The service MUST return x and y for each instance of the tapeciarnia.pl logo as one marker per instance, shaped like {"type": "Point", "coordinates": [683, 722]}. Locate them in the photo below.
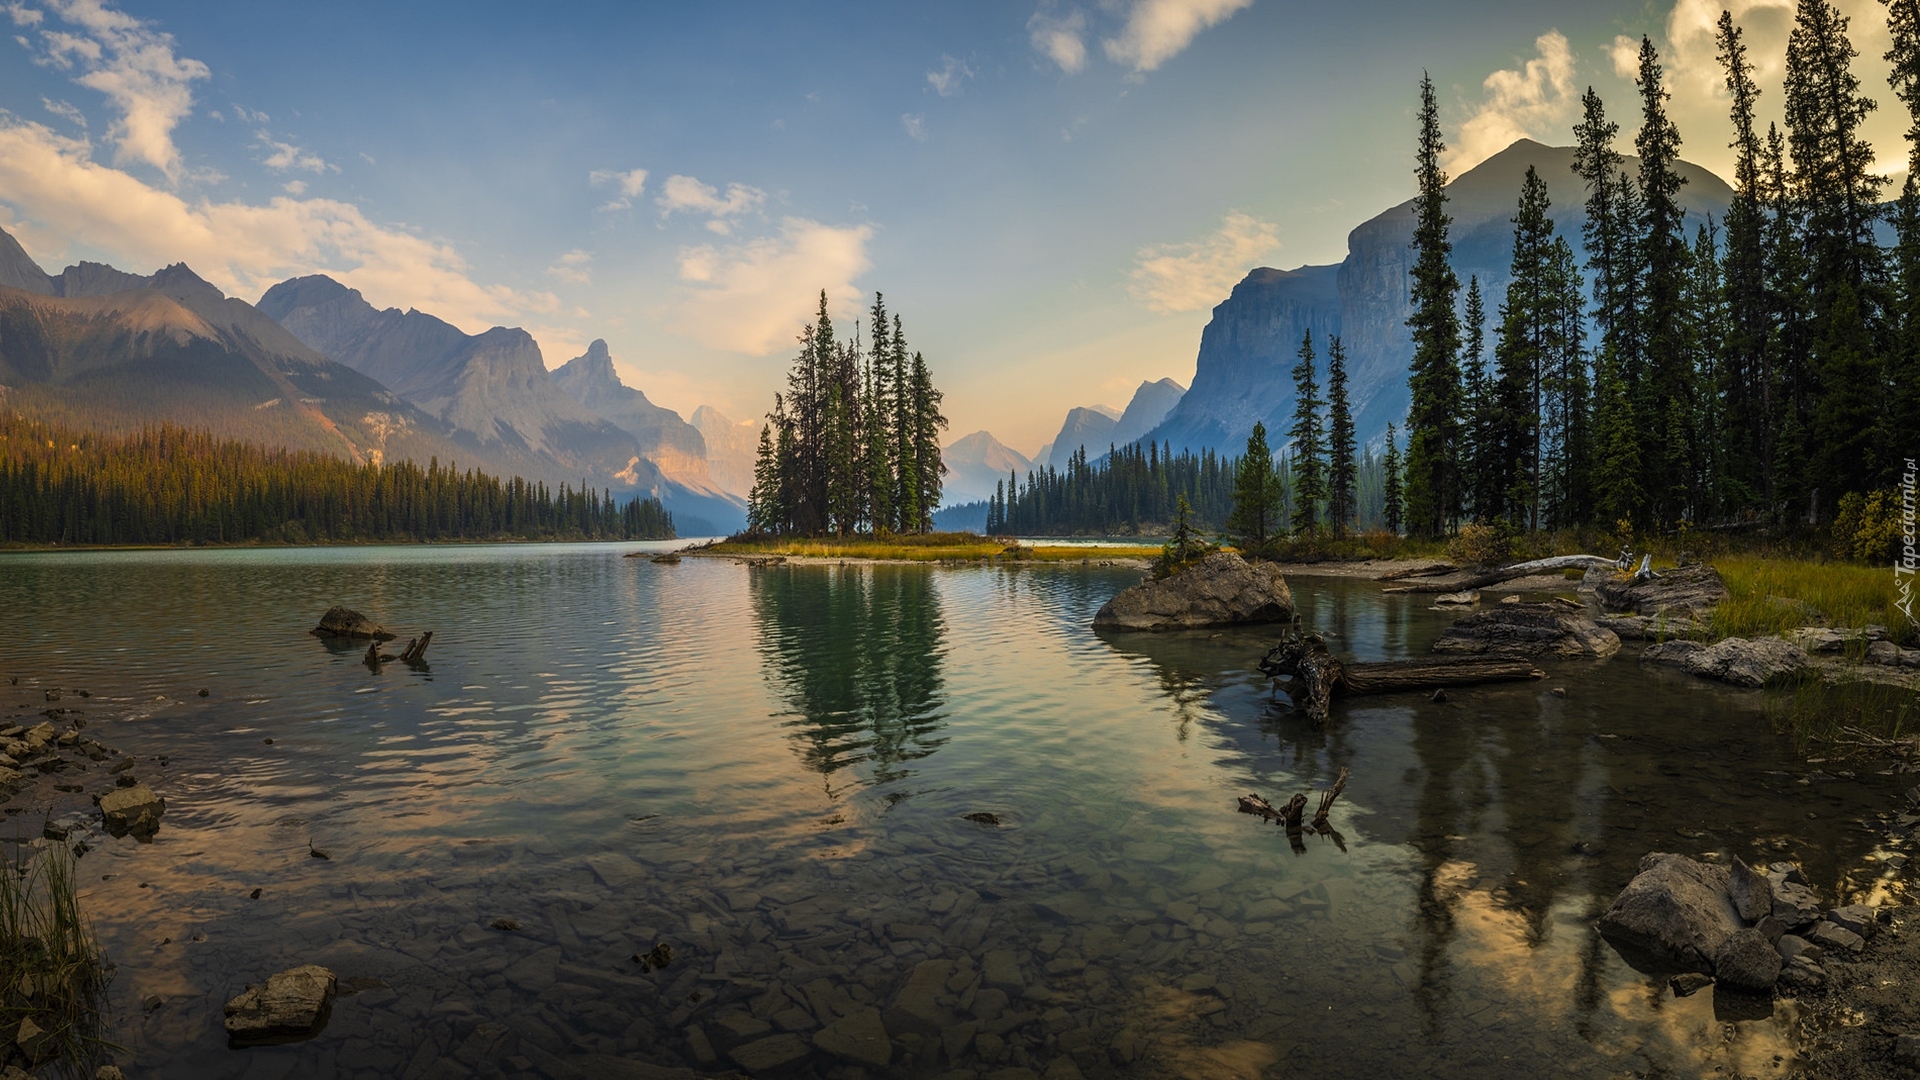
{"type": "Point", "coordinates": [1909, 559]}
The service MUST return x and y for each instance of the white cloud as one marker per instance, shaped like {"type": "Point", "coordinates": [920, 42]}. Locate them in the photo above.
{"type": "Point", "coordinates": [686, 195]}
{"type": "Point", "coordinates": [916, 125]}
{"type": "Point", "coordinates": [294, 187]}
{"type": "Point", "coordinates": [285, 156]}
{"type": "Point", "coordinates": [1197, 275]}
{"type": "Point", "coordinates": [251, 116]}
{"type": "Point", "coordinates": [62, 196]}
{"type": "Point", "coordinates": [753, 297]}
{"type": "Point", "coordinates": [575, 266]}
{"type": "Point", "coordinates": [627, 185]}
{"type": "Point", "coordinates": [1158, 30]}
{"type": "Point", "coordinates": [133, 65]}
{"type": "Point", "coordinates": [65, 110]}
{"type": "Point", "coordinates": [952, 74]}
{"type": "Point", "coordinates": [1537, 100]}
{"type": "Point", "coordinates": [1058, 38]}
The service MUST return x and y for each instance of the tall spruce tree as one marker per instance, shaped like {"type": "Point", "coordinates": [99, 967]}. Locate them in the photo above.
{"type": "Point", "coordinates": [1527, 338]}
{"type": "Point", "coordinates": [1833, 172]}
{"type": "Point", "coordinates": [1566, 395]}
{"type": "Point", "coordinates": [928, 423]}
{"type": "Point", "coordinates": [1666, 381]}
{"type": "Point", "coordinates": [1433, 494]}
{"type": "Point", "coordinates": [1341, 474]}
{"type": "Point", "coordinates": [1478, 474]}
{"type": "Point", "coordinates": [1309, 447]}
{"type": "Point", "coordinates": [1610, 246]}
{"type": "Point", "coordinates": [1790, 316]}
{"type": "Point", "coordinates": [1390, 513]}
{"type": "Point", "coordinates": [1903, 351]}
{"type": "Point", "coordinates": [1747, 374]}
{"type": "Point", "coordinates": [1706, 337]}
{"type": "Point", "coordinates": [881, 410]}
{"type": "Point", "coordinates": [1255, 521]}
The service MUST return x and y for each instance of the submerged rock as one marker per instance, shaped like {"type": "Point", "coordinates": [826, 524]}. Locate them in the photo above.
{"type": "Point", "coordinates": [1676, 909]}
{"type": "Point", "coordinates": [1750, 891]}
{"type": "Point", "coordinates": [1528, 630]}
{"type": "Point", "coordinates": [859, 1037]}
{"type": "Point", "coordinates": [1651, 627]}
{"type": "Point", "coordinates": [1686, 591]}
{"type": "Point", "coordinates": [1221, 590]}
{"type": "Point", "coordinates": [340, 622]}
{"type": "Point", "coordinates": [292, 1005]}
{"type": "Point", "coordinates": [132, 810]}
{"type": "Point", "coordinates": [1750, 662]}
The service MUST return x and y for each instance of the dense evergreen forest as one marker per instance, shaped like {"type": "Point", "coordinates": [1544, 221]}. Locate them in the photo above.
{"type": "Point", "coordinates": [854, 443]}
{"type": "Point", "coordinates": [1134, 490]}
{"type": "Point", "coordinates": [168, 485]}
{"type": "Point", "coordinates": [1765, 370]}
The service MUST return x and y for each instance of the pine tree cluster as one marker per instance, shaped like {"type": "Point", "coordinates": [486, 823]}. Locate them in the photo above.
{"type": "Point", "coordinates": [854, 443]}
{"type": "Point", "coordinates": [169, 485]}
{"type": "Point", "coordinates": [1765, 369]}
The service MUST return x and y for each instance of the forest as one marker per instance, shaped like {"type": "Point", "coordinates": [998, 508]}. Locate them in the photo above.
{"type": "Point", "coordinates": [853, 446]}
{"type": "Point", "coordinates": [1764, 371]}
{"type": "Point", "coordinates": [169, 485]}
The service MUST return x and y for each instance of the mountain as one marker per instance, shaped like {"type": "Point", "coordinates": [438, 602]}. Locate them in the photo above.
{"type": "Point", "coordinates": [98, 348]}
{"type": "Point", "coordinates": [1151, 403]}
{"type": "Point", "coordinates": [1244, 369]}
{"type": "Point", "coordinates": [975, 463]}
{"type": "Point", "coordinates": [731, 449]}
{"type": "Point", "coordinates": [673, 445]}
{"type": "Point", "coordinates": [1090, 426]}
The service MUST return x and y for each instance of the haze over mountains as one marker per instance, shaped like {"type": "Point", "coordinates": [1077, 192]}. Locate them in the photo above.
{"type": "Point", "coordinates": [315, 366]}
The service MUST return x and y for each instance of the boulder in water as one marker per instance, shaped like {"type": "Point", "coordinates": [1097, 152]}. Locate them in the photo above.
{"type": "Point", "coordinates": [1528, 630]}
{"type": "Point", "coordinates": [1750, 662]}
{"type": "Point", "coordinates": [1221, 590]}
{"type": "Point", "coordinates": [1676, 909]}
{"type": "Point", "coordinates": [132, 810]}
{"type": "Point", "coordinates": [343, 622]}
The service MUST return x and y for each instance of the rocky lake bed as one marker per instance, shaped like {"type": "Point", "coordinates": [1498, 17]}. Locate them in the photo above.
{"type": "Point", "coordinates": [876, 858]}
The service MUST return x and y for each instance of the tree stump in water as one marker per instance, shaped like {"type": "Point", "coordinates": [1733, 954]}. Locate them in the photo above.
{"type": "Point", "coordinates": [1315, 675]}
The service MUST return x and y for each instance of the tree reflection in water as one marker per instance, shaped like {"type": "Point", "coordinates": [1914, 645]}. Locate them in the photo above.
{"type": "Point", "coordinates": [856, 653]}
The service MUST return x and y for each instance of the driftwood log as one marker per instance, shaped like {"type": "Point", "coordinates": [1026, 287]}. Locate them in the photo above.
{"type": "Point", "coordinates": [1316, 675]}
{"type": "Point", "coordinates": [415, 653]}
{"type": "Point", "coordinates": [1430, 570]}
{"type": "Point", "coordinates": [1291, 814]}
{"type": "Point", "coordinates": [1507, 573]}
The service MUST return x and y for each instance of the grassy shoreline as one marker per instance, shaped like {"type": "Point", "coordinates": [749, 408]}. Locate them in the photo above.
{"type": "Point", "coordinates": [922, 548]}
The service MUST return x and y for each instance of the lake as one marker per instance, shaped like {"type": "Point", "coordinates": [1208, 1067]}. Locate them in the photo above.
{"type": "Point", "coordinates": [770, 770]}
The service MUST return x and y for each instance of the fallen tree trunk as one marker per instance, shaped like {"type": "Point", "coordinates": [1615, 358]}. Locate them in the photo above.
{"type": "Point", "coordinates": [1430, 570]}
{"type": "Point", "coordinates": [1316, 675]}
{"type": "Point", "coordinates": [1508, 573]}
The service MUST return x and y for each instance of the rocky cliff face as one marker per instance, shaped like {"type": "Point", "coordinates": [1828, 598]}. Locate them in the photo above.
{"type": "Point", "coordinates": [674, 446]}
{"type": "Point", "coordinates": [1244, 369]}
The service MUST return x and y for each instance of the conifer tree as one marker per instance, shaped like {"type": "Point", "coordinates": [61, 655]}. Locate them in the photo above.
{"type": "Point", "coordinates": [1477, 457]}
{"type": "Point", "coordinates": [1903, 351]}
{"type": "Point", "coordinates": [1255, 520]}
{"type": "Point", "coordinates": [1566, 394]}
{"type": "Point", "coordinates": [1309, 450]}
{"type": "Point", "coordinates": [1341, 475]}
{"type": "Point", "coordinates": [1747, 375]}
{"type": "Point", "coordinates": [1833, 174]}
{"type": "Point", "coordinates": [1433, 494]}
{"type": "Point", "coordinates": [1706, 336]}
{"type": "Point", "coordinates": [928, 423]}
{"type": "Point", "coordinates": [1390, 512]}
{"type": "Point", "coordinates": [1790, 319]}
{"type": "Point", "coordinates": [906, 464]}
{"type": "Point", "coordinates": [1609, 245]}
{"type": "Point", "coordinates": [1666, 381]}
{"type": "Point", "coordinates": [881, 409]}
{"type": "Point", "coordinates": [1527, 340]}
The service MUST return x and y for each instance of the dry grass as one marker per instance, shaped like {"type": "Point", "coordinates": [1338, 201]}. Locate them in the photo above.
{"type": "Point", "coordinates": [51, 968]}
{"type": "Point", "coordinates": [926, 547]}
{"type": "Point", "coordinates": [1845, 714]}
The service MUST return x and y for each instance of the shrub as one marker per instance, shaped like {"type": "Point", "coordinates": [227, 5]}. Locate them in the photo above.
{"type": "Point", "coordinates": [1480, 545]}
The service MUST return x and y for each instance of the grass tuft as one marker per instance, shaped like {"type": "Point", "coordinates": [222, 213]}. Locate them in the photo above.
{"type": "Point", "coordinates": [51, 968]}
{"type": "Point", "coordinates": [1771, 595]}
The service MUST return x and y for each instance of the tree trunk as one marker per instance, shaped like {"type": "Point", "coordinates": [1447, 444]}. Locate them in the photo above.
{"type": "Point", "coordinates": [1506, 573]}
{"type": "Point", "coordinates": [1315, 675]}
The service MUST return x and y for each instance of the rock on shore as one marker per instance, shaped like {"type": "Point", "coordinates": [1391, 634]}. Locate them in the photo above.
{"type": "Point", "coordinates": [1221, 590]}
{"type": "Point", "coordinates": [1528, 630]}
{"type": "Point", "coordinates": [1746, 662]}
{"type": "Point", "coordinates": [132, 810]}
{"type": "Point", "coordinates": [1684, 591]}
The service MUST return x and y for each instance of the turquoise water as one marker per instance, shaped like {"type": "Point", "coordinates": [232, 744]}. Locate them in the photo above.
{"type": "Point", "coordinates": [769, 768]}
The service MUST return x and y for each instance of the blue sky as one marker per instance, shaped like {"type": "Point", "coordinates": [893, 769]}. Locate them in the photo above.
{"type": "Point", "coordinates": [1053, 194]}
